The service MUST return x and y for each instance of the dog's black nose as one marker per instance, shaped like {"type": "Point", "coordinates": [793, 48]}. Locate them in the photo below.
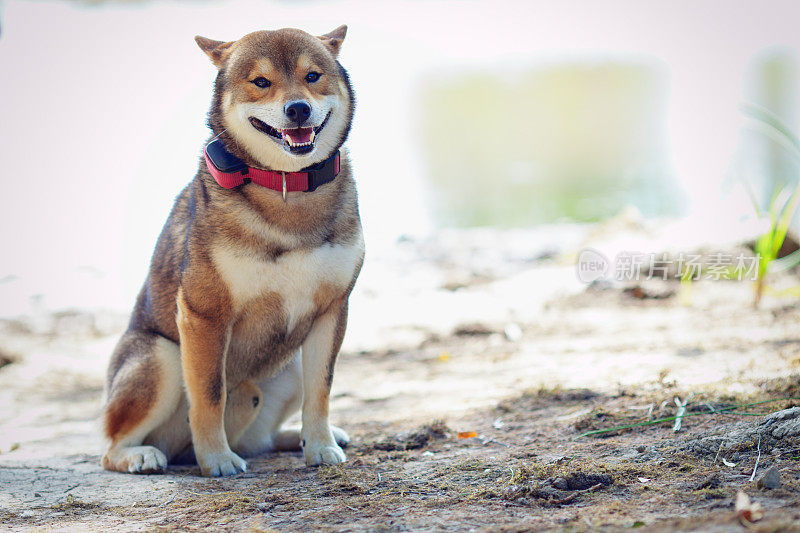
{"type": "Point", "coordinates": [297, 111]}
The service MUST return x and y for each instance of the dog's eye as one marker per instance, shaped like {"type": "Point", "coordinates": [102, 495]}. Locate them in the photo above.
{"type": "Point", "coordinates": [311, 77]}
{"type": "Point", "coordinates": [262, 82]}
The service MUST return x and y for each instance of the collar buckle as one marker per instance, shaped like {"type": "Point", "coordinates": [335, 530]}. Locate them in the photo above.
{"type": "Point", "coordinates": [323, 172]}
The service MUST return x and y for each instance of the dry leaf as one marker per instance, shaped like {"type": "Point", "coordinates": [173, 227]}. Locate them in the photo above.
{"type": "Point", "coordinates": [746, 511]}
{"type": "Point", "coordinates": [644, 479]}
{"type": "Point", "coordinates": [467, 434]}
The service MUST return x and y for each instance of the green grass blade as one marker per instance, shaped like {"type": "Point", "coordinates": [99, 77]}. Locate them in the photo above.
{"type": "Point", "coordinates": [769, 118]}
{"type": "Point", "coordinates": [785, 263]}
{"type": "Point", "coordinates": [784, 219]}
{"type": "Point", "coordinates": [725, 410]}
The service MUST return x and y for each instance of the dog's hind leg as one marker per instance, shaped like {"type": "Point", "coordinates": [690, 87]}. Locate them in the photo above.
{"type": "Point", "coordinates": [144, 389]}
{"type": "Point", "coordinates": [241, 410]}
{"type": "Point", "coordinates": [174, 437]}
{"type": "Point", "coordinates": [281, 398]}
{"type": "Point", "coordinates": [289, 439]}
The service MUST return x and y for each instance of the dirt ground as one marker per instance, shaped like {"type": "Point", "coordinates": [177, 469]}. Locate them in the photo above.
{"type": "Point", "coordinates": [468, 385]}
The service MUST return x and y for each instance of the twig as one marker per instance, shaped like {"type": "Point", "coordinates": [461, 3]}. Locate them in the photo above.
{"type": "Point", "coordinates": [753, 475]}
{"type": "Point", "coordinates": [575, 494]}
{"type": "Point", "coordinates": [590, 489]}
{"type": "Point", "coordinates": [681, 412]}
{"type": "Point", "coordinates": [662, 405]}
{"type": "Point", "coordinates": [404, 492]}
{"type": "Point", "coordinates": [723, 410]}
{"type": "Point", "coordinates": [562, 501]}
{"type": "Point", "coordinates": [679, 415]}
{"type": "Point", "coordinates": [649, 408]}
{"type": "Point", "coordinates": [212, 493]}
{"type": "Point", "coordinates": [488, 440]}
{"type": "Point", "coordinates": [721, 444]}
{"type": "Point", "coordinates": [512, 504]}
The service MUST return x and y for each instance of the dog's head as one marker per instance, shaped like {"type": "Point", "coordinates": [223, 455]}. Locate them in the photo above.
{"type": "Point", "coordinates": [281, 96]}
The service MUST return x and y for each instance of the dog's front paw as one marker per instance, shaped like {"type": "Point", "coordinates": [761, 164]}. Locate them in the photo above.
{"type": "Point", "coordinates": [221, 464]}
{"type": "Point", "coordinates": [323, 454]}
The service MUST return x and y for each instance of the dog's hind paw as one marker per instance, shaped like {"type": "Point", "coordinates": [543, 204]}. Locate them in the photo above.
{"type": "Point", "coordinates": [341, 436]}
{"type": "Point", "coordinates": [323, 454]}
{"type": "Point", "coordinates": [221, 464]}
{"type": "Point", "coordinates": [135, 460]}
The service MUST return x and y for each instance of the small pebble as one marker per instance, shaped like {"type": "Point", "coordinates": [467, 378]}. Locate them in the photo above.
{"type": "Point", "coordinates": [641, 448]}
{"type": "Point", "coordinates": [771, 479]}
{"type": "Point", "coordinates": [27, 514]}
{"type": "Point", "coordinates": [513, 332]}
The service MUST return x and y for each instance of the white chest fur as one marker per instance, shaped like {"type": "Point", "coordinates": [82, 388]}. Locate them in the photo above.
{"type": "Point", "coordinates": [295, 275]}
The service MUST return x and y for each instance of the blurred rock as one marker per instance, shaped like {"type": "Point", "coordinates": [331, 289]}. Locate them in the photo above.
{"type": "Point", "coordinates": [771, 479]}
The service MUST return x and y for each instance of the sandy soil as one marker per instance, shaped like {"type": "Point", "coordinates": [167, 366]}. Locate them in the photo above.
{"type": "Point", "coordinates": [474, 367]}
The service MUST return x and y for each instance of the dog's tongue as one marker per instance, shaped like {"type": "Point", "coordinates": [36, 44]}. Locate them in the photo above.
{"type": "Point", "coordinates": [298, 135]}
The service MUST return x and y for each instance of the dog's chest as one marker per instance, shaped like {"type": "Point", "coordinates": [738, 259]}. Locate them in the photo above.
{"type": "Point", "coordinates": [274, 301]}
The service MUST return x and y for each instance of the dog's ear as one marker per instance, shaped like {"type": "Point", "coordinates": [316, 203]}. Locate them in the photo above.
{"type": "Point", "coordinates": [333, 40]}
{"type": "Point", "coordinates": [218, 51]}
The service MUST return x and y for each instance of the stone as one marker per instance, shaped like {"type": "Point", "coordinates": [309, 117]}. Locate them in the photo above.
{"type": "Point", "coordinates": [771, 479]}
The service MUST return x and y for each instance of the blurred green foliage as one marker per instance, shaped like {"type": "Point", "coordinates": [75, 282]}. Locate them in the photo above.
{"type": "Point", "coordinates": [566, 141]}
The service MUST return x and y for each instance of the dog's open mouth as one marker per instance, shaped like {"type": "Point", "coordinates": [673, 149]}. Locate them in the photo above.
{"type": "Point", "coordinates": [297, 141]}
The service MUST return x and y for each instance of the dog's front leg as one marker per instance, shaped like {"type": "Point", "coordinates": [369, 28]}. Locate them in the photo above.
{"type": "Point", "coordinates": [319, 355]}
{"type": "Point", "coordinates": [204, 343]}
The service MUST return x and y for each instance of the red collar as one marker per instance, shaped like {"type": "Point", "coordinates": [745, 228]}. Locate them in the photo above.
{"type": "Point", "coordinates": [229, 171]}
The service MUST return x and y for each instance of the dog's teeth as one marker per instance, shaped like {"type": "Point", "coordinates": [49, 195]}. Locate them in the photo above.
{"type": "Point", "coordinates": [288, 138]}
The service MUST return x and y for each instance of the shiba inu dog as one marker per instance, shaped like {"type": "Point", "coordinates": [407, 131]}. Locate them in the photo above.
{"type": "Point", "coordinates": [243, 312]}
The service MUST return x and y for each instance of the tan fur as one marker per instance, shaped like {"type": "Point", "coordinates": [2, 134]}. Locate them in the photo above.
{"type": "Point", "coordinates": [135, 399]}
{"type": "Point", "coordinates": [243, 284]}
{"type": "Point", "coordinates": [241, 409]}
{"type": "Point", "coordinates": [217, 51]}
